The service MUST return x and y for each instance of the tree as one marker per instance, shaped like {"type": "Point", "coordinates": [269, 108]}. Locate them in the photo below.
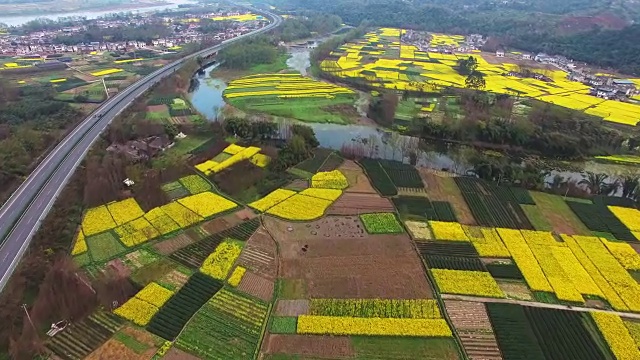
{"type": "Point", "coordinates": [475, 80]}
{"type": "Point", "coordinates": [630, 185]}
{"type": "Point", "coordinates": [594, 182]}
{"type": "Point", "coordinates": [467, 66]}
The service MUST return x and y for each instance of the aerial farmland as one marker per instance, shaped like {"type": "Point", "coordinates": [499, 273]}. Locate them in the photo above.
{"type": "Point", "coordinates": [384, 61]}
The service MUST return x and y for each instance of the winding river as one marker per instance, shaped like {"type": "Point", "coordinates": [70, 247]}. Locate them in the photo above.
{"type": "Point", "coordinates": [207, 98]}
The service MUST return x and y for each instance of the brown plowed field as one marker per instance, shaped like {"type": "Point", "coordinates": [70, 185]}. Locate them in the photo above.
{"type": "Point", "coordinates": [358, 203]}
{"type": "Point", "coordinates": [259, 255]}
{"type": "Point", "coordinates": [441, 188]}
{"type": "Point", "coordinates": [358, 181]}
{"type": "Point", "coordinates": [373, 266]}
{"type": "Point", "coordinates": [169, 246]}
{"type": "Point", "coordinates": [327, 227]}
{"type": "Point", "coordinates": [175, 354]}
{"type": "Point", "coordinates": [292, 307]}
{"type": "Point", "coordinates": [157, 108]}
{"type": "Point", "coordinates": [474, 328]}
{"type": "Point", "coordinates": [324, 347]}
{"type": "Point", "coordinates": [257, 286]}
{"type": "Point", "coordinates": [219, 224]}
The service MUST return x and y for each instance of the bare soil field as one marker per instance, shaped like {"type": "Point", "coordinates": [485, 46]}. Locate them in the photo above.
{"type": "Point", "coordinates": [327, 227]}
{"type": "Point", "coordinates": [157, 108]}
{"type": "Point", "coordinates": [298, 184]}
{"type": "Point", "coordinates": [259, 255]}
{"type": "Point", "coordinates": [176, 354]}
{"type": "Point", "coordinates": [172, 245]}
{"type": "Point", "coordinates": [114, 349]}
{"type": "Point", "coordinates": [180, 120]}
{"type": "Point", "coordinates": [292, 307]}
{"type": "Point", "coordinates": [515, 290]}
{"type": "Point", "coordinates": [325, 347]}
{"type": "Point", "coordinates": [220, 224]}
{"type": "Point", "coordinates": [358, 181]}
{"type": "Point", "coordinates": [175, 278]}
{"type": "Point", "coordinates": [359, 203]}
{"type": "Point", "coordinates": [257, 286]}
{"type": "Point", "coordinates": [373, 266]}
{"type": "Point", "coordinates": [445, 189]}
{"type": "Point", "coordinates": [474, 328]}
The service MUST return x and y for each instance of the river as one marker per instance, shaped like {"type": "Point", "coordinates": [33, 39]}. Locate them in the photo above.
{"type": "Point", "coordinates": [17, 20]}
{"type": "Point", "coordinates": [208, 100]}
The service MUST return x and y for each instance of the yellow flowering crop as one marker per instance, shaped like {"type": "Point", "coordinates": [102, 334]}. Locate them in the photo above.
{"type": "Point", "coordinates": [300, 207]}
{"type": "Point", "coordinates": [136, 232]}
{"type": "Point", "coordinates": [220, 261]}
{"type": "Point", "coordinates": [624, 253]}
{"type": "Point", "coordinates": [338, 325]}
{"type": "Point", "coordinates": [477, 283]}
{"type": "Point", "coordinates": [448, 231]}
{"type": "Point", "coordinates": [106, 72]}
{"type": "Point", "coordinates": [55, 81]}
{"type": "Point", "coordinates": [634, 330]}
{"type": "Point", "coordinates": [608, 293]}
{"type": "Point", "coordinates": [155, 294]}
{"type": "Point", "coordinates": [526, 262]}
{"type": "Point", "coordinates": [581, 280]}
{"type": "Point", "coordinates": [207, 204]}
{"type": "Point", "coordinates": [161, 221]}
{"type": "Point", "coordinates": [558, 279]}
{"type": "Point", "coordinates": [326, 194]}
{"type": "Point", "coordinates": [233, 149]}
{"type": "Point", "coordinates": [621, 281]}
{"type": "Point", "coordinates": [125, 210]}
{"type": "Point", "coordinates": [236, 276]}
{"type": "Point", "coordinates": [617, 336]}
{"type": "Point", "coordinates": [377, 308]}
{"type": "Point", "coordinates": [180, 214]}
{"type": "Point", "coordinates": [419, 230]}
{"type": "Point", "coordinates": [329, 180]}
{"type": "Point", "coordinates": [275, 197]}
{"type": "Point", "coordinates": [97, 220]}
{"type": "Point", "coordinates": [80, 245]}
{"type": "Point", "coordinates": [260, 160]}
{"type": "Point", "coordinates": [629, 217]}
{"type": "Point", "coordinates": [486, 241]}
{"type": "Point", "coordinates": [207, 166]}
{"type": "Point", "coordinates": [544, 238]}
{"type": "Point", "coordinates": [127, 61]}
{"type": "Point", "coordinates": [136, 310]}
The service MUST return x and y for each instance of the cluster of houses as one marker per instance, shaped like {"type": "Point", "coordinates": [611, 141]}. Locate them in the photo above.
{"type": "Point", "coordinates": [424, 42]}
{"type": "Point", "coordinates": [43, 43]}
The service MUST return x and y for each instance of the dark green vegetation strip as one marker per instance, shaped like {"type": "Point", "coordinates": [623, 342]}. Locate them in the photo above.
{"type": "Point", "coordinates": [284, 325]}
{"type": "Point", "coordinates": [504, 271]}
{"type": "Point", "coordinates": [515, 336]}
{"type": "Point", "coordinates": [312, 165]}
{"type": "Point", "coordinates": [402, 175]}
{"type": "Point", "coordinates": [192, 256]}
{"type": "Point", "coordinates": [379, 178]}
{"type": "Point", "coordinates": [227, 327]}
{"type": "Point", "coordinates": [83, 337]}
{"type": "Point", "coordinates": [492, 205]}
{"type": "Point", "coordinates": [450, 248]}
{"type": "Point", "coordinates": [333, 162]}
{"type": "Point", "coordinates": [454, 263]}
{"type": "Point", "coordinates": [597, 217]}
{"type": "Point", "coordinates": [562, 334]}
{"type": "Point", "coordinates": [396, 348]}
{"type": "Point", "coordinates": [169, 321]}
{"type": "Point", "coordinates": [421, 208]}
{"type": "Point", "coordinates": [522, 196]}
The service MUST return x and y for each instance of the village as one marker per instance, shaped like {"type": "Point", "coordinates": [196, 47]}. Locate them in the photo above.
{"type": "Point", "coordinates": [603, 85]}
{"type": "Point", "coordinates": [185, 28]}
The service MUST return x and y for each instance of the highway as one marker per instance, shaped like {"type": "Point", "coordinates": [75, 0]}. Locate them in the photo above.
{"type": "Point", "coordinates": [21, 215]}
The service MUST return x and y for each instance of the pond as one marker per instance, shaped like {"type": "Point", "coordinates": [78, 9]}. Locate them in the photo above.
{"type": "Point", "coordinates": [207, 98]}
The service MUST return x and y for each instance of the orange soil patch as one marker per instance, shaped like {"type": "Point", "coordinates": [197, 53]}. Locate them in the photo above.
{"type": "Point", "coordinates": [220, 224]}
{"type": "Point", "coordinates": [374, 266]}
{"type": "Point", "coordinates": [175, 278]}
{"type": "Point", "coordinates": [292, 307]}
{"type": "Point", "coordinates": [474, 328]}
{"type": "Point", "coordinates": [441, 188]}
{"type": "Point", "coordinates": [257, 286]}
{"type": "Point", "coordinates": [172, 245]}
{"type": "Point", "coordinates": [157, 108]}
{"type": "Point", "coordinates": [325, 347]}
{"type": "Point", "coordinates": [358, 181]}
{"type": "Point", "coordinates": [176, 354]}
{"type": "Point", "coordinates": [245, 214]}
{"type": "Point", "coordinates": [359, 203]}
{"type": "Point", "coordinates": [259, 255]}
{"type": "Point", "coordinates": [113, 349]}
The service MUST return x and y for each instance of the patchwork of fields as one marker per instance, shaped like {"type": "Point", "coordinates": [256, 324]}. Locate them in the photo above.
{"type": "Point", "coordinates": [385, 62]}
{"type": "Point", "coordinates": [387, 276]}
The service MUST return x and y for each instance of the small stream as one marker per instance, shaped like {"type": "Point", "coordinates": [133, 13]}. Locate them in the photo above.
{"type": "Point", "coordinates": [207, 98]}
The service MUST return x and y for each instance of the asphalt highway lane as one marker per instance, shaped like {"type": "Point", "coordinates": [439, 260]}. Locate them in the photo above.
{"type": "Point", "coordinates": [21, 215]}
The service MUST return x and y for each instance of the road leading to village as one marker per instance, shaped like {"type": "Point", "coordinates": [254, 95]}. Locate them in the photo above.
{"type": "Point", "coordinates": [21, 215]}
